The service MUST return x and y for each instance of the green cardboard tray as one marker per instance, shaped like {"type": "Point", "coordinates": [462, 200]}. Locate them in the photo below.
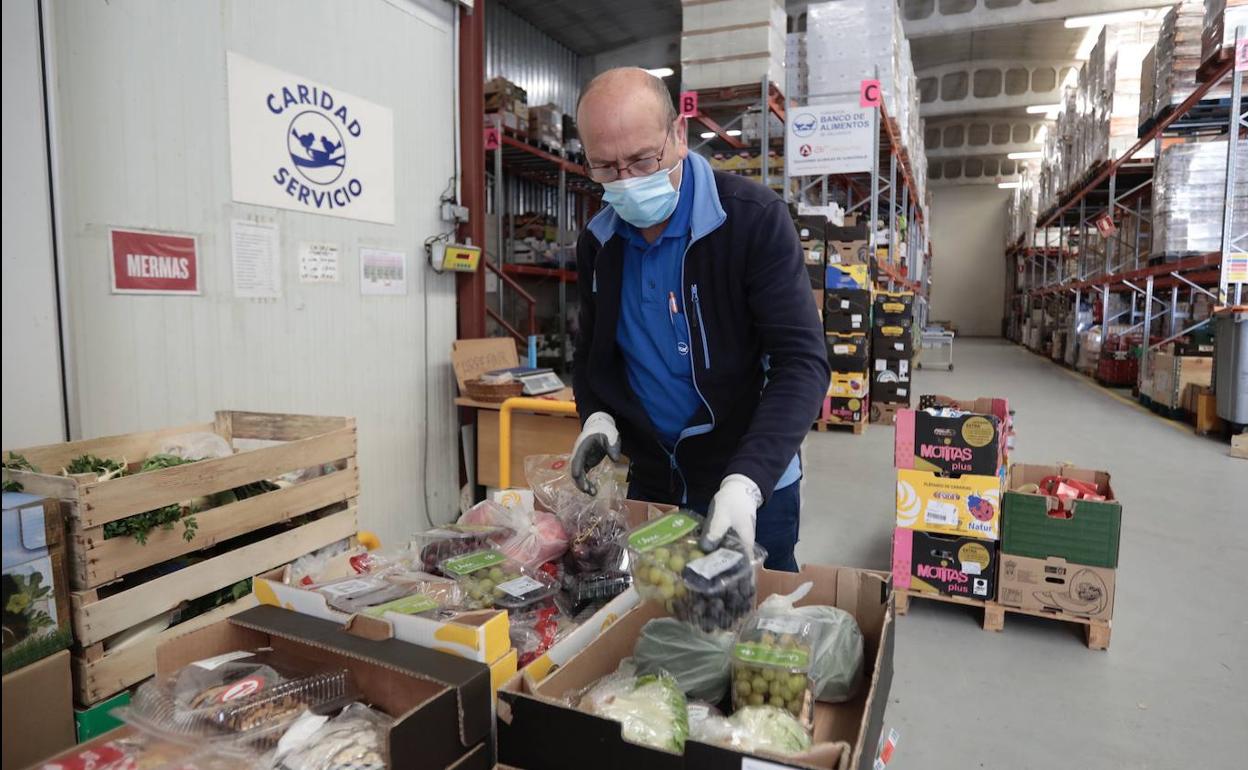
{"type": "Point", "coordinates": [1089, 537]}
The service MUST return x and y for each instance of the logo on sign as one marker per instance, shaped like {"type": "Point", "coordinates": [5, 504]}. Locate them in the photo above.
{"type": "Point", "coordinates": [805, 150]}
{"type": "Point", "coordinates": [316, 143]}
{"type": "Point", "coordinates": [804, 124]}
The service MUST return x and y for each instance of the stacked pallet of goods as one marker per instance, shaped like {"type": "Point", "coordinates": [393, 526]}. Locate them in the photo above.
{"type": "Point", "coordinates": [847, 281]}
{"type": "Point", "coordinates": [892, 353]}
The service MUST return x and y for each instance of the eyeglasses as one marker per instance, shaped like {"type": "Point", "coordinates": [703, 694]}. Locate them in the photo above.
{"type": "Point", "coordinates": [640, 167]}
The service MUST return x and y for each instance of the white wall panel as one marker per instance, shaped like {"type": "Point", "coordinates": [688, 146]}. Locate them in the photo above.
{"type": "Point", "coordinates": [32, 405]}
{"type": "Point", "coordinates": [143, 120]}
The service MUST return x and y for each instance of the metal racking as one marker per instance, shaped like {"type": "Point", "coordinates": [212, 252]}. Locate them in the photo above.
{"type": "Point", "coordinates": [1068, 265]}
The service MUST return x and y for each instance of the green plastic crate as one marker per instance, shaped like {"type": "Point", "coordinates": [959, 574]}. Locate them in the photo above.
{"type": "Point", "coordinates": [1090, 536]}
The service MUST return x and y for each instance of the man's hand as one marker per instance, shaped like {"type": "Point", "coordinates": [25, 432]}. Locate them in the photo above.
{"type": "Point", "coordinates": [734, 506]}
{"type": "Point", "coordinates": [599, 438]}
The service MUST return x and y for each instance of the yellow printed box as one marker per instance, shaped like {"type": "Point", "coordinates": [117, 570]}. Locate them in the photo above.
{"type": "Point", "coordinates": [848, 385]}
{"type": "Point", "coordinates": [961, 505]}
{"type": "Point", "coordinates": [480, 636]}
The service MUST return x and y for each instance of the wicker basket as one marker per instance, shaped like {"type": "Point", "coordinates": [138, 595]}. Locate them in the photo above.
{"type": "Point", "coordinates": [493, 394]}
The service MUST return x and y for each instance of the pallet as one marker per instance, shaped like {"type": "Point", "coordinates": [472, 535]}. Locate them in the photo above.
{"type": "Point", "coordinates": [1096, 632]}
{"type": "Point", "coordinates": [113, 588]}
{"type": "Point", "coordinates": [1239, 446]}
{"type": "Point", "coordinates": [827, 426]}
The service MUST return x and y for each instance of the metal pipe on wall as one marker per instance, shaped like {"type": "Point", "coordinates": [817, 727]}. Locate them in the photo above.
{"type": "Point", "coordinates": [470, 287]}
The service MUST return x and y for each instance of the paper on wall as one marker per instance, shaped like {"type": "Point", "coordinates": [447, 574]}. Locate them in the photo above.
{"type": "Point", "coordinates": [383, 271]}
{"type": "Point", "coordinates": [318, 262]}
{"type": "Point", "coordinates": [254, 247]}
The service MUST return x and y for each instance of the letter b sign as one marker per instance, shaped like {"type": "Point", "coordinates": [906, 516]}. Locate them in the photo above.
{"type": "Point", "coordinates": [688, 104]}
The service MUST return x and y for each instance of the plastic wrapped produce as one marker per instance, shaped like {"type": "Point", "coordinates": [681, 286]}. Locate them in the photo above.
{"type": "Point", "coordinates": [533, 633]}
{"type": "Point", "coordinates": [353, 740]}
{"type": "Point", "coordinates": [434, 546]}
{"type": "Point", "coordinates": [836, 657]}
{"type": "Point", "coordinates": [769, 729]}
{"type": "Point", "coordinates": [550, 476]}
{"type": "Point", "coordinates": [240, 700]}
{"type": "Point", "coordinates": [651, 708]}
{"type": "Point", "coordinates": [489, 579]}
{"type": "Point", "coordinates": [589, 588]}
{"type": "Point", "coordinates": [771, 663]}
{"type": "Point", "coordinates": [658, 553]}
{"type": "Point", "coordinates": [595, 528]}
{"type": "Point", "coordinates": [537, 536]}
{"type": "Point", "coordinates": [699, 662]}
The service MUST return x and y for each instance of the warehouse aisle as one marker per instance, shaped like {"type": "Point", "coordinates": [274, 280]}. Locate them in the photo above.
{"type": "Point", "coordinates": [1172, 691]}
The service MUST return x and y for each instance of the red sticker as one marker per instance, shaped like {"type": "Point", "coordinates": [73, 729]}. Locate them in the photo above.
{"type": "Point", "coordinates": [492, 140]}
{"type": "Point", "coordinates": [1241, 54]}
{"type": "Point", "coordinates": [688, 104]}
{"type": "Point", "coordinates": [243, 688]}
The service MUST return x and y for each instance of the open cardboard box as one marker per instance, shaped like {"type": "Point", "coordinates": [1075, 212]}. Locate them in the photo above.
{"type": "Point", "coordinates": [440, 703]}
{"type": "Point", "coordinates": [538, 729]}
{"type": "Point", "coordinates": [1039, 526]}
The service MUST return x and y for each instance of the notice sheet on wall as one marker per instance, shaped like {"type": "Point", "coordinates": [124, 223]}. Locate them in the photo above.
{"type": "Point", "coordinates": [383, 271]}
{"type": "Point", "coordinates": [318, 262]}
{"type": "Point", "coordinates": [257, 267]}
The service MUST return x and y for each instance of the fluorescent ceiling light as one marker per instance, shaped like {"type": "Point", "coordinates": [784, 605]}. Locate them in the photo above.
{"type": "Point", "coordinates": [1025, 155]}
{"type": "Point", "coordinates": [1117, 17]}
{"type": "Point", "coordinates": [1036, 109]}
{"type": "Point", "coordinates": [707, 134]}
{"type": "Point", "coordinates": [1090, 38]}
{"type": "Point", "coordinates": [1007, 185]}
{"type": "Point", "coordinates": [662, 72]}
{"type": "Point", "coordinates": [733, 132]}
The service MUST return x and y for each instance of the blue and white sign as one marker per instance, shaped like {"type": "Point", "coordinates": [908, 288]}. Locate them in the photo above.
{"type": "Point", "coordinates": [829, 139]}
{"type": "Point", "coordinates": [305, 146]}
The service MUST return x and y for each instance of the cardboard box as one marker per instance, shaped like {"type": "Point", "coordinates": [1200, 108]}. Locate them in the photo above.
{"type": "Point", "coordinates": [968, 443]}
{"type": "Point", "coordinates": [38, 714]}
{"type": "Point", "coordinates": [1171, 375]}
{"type": "Point", "coordinates": [846, 310]}
{"type": "Point", "coordinates": [944, 564]}
{"type": "Point", "coordinates": [817, 276]}
{"type": "Point", "coordinates": [845, 409]}
{"type": "Point", "coordinates": [503, 95]}
{"type": "Point", "coordinates": [97, 720]}
{"type": "Point", "coordinates": [893, 393]}
{"type": "Point", "coordinates": [891, 342]}
{"type": "Point", "coordinates": [533, 717]}
{"type": "Point", "coordinates": [954, 505]}
{"type": "Point", "coordinates": [480, 636]}
{"type": "Point", "coordinates": [848, 385]}
{"type": "Point", "coordinates": [546, 124]}
{"type": "Point", "coordinates": [818, 296]}
{"type": "Point", "coordinates": [890, 380]}
{"type": "Point", "coordinates": [1039, 526]}
{"type": "Point", "coordinates": [1056, 585]}
{"type": "Point", "coordinates": [441, 703]}
{"type": "Point", "coordinates": [847, 352]}
{"type": "Point", "coordinates": [846, 276]}
{"type": "Point", "coordinates": [35, 595]}
{"type": "Point", "coordinates": [892, 321]}
{"type": "Point", "coordinates": [893, 305]}
{"type": "Point", "coordinates": [856, 251]}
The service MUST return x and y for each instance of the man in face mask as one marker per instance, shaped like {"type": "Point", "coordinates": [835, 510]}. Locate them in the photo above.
{"type": "Point", "coordinates": [700, 353]}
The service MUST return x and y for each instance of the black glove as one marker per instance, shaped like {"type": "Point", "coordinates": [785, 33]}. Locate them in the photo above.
{"type": "Point", "coordinates": [599, 439]}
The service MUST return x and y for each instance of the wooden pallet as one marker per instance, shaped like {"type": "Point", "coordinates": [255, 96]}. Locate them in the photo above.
{"type": "Point", "coordinates": [1239, 446]}
{"type": "Point", "coordinates": [828, 426]}
{"type": "Point", "coordinates": [114, 588]}
{"type": "Point", "coordinates": [1096, 632]}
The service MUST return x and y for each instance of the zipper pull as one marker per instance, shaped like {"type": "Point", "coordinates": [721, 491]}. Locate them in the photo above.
{"type": "Point", "coordinates": [693, 297]}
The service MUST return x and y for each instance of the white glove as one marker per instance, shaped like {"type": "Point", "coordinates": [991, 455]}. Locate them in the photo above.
{"type": "Point", "coordinates": [734, 506]}
{"type": "Point", "coordinates": [599, 439]}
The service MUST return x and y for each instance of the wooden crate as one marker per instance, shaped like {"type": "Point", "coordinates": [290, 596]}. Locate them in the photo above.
{"type": "Point", "coordinates": [102, 607]}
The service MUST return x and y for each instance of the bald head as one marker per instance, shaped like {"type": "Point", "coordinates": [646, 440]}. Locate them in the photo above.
{"type": "Point", "coordinates": [626, 114]}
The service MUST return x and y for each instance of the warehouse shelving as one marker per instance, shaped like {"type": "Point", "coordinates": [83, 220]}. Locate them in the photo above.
{"type": "Point", "coordinates": [723, 111]}
{"type": "Point", "coordinates": [1119, 187]}
{"type": "Point", "coordinates": [574, 200]}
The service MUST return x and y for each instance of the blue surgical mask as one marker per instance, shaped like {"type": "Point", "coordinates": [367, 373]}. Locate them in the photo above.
{"type": "Point", "coordinates": [643, 201]}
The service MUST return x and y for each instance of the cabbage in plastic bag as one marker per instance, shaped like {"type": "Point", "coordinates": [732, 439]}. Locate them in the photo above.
{"type": "Point", "coordinates": [837, 657]}
{"type": "Point", "coordinates": [700, 663]}
{"type": "Point", "coordinates": [651, 708]}
{"type": "Point", "coordinates": [767, 728]}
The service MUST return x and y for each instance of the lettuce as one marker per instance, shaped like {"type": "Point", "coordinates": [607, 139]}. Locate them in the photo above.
{"type": "Point", "coordinates": [768, 728]}
{"type": "Point", "coordinates": [652, 710]}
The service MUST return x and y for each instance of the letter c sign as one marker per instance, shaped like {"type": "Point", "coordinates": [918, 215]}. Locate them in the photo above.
{"type": "Point", "coordinates": [688, 104]}
{"type": "Point", "coordinates": [869, 93]}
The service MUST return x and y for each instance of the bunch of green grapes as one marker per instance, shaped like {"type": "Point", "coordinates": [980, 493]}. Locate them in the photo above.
{"type": "Point", "coordinates": [481, 587]}
{"type": "Point", "coordinates": [775, 673]}
{"type": "Point", "coordinates": [657, 573]}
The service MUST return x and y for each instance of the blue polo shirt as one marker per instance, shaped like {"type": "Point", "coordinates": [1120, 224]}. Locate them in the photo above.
{"type": "Point", "coordinates": [653, 332]}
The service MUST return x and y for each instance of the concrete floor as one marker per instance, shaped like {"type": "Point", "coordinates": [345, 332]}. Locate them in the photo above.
{"type": "Point", "coordinates": [1171, 691]}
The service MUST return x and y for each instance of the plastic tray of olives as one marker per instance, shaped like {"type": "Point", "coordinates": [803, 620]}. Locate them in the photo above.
{"type": "Point", "coordinates": [434, 546]}
{"type": "Point", "coordinates": [490, 579]}
{"type": "Point", "coordinates": [771, 663]}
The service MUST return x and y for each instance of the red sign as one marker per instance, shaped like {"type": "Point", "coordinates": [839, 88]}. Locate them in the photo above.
{"type": "Point", "coordinates": [154, 263]}
{"type": "Point", "coordinates": [1105, 225]}
{"type": "Point", "coordinates": [688, 104]}
{"type": "Point", "coordinates": [869, 93]}
{"type": "Point", "coordinates": [1241, 54]}
{"type": "Point", "coordinates": [491, 138]}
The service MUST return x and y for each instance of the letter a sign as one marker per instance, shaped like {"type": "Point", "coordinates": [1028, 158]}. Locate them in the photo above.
{"type": "Point", "coordinates": [688, 104]}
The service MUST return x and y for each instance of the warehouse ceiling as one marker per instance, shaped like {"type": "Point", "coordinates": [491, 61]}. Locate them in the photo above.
{"type": "Point", "coordinates": [591, 27]}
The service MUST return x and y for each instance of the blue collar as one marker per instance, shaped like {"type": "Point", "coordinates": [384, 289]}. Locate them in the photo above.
{"type": "Point", "coordinates": [706, 214]}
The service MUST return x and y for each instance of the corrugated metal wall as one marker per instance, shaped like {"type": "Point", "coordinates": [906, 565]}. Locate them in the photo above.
{"type": "Point", "coordinates": [144, 142]}
{"type": "Point", "coordinates": [518, 51]}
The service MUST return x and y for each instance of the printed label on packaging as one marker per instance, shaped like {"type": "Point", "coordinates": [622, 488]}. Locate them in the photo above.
{"type": "Point", "coordinates": [843, 350]}
{"type": "Point", "coordinates": [945, 514]}
{"type": "Point", "coordinates": [970, 568]}
{"type": "Point", "coordinates": [898, 346]}
{"type": "Point", "coordinates": [407, 605]}
{"type": "Point", "coordinates": [716, 563]}
{"type": "Point", "coordinates": [979, 587]}
{"type": "Point", "coordinates": [471, 562]}
{"type": "Point", "coordinates": [978, 431]}
{"type": "Point", "coordinates": [902, 391]}
{"type": "Point", "coordinates": [754, 652]}
{"type": "Point", "coordinates": [855, 319]}
{"type": "Point", "coordinates": [520, 587]}
{"type": "Point", "coordinates": [844, 304]}
{"type": "Point", "coordinates": [661, 531]}
{"type": "Point", "coordinates": [212, 664]}
{"type": "Point", "coordinates": [781, 625]}
{"type": "Point", "coordinates": [904, 367]}
{"type": "Point", "coordinates": [750, 763]}
{"type": "Point", "coordinates": [881, 364]}
{"type": "Point", "coordinates": [348, 587]}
